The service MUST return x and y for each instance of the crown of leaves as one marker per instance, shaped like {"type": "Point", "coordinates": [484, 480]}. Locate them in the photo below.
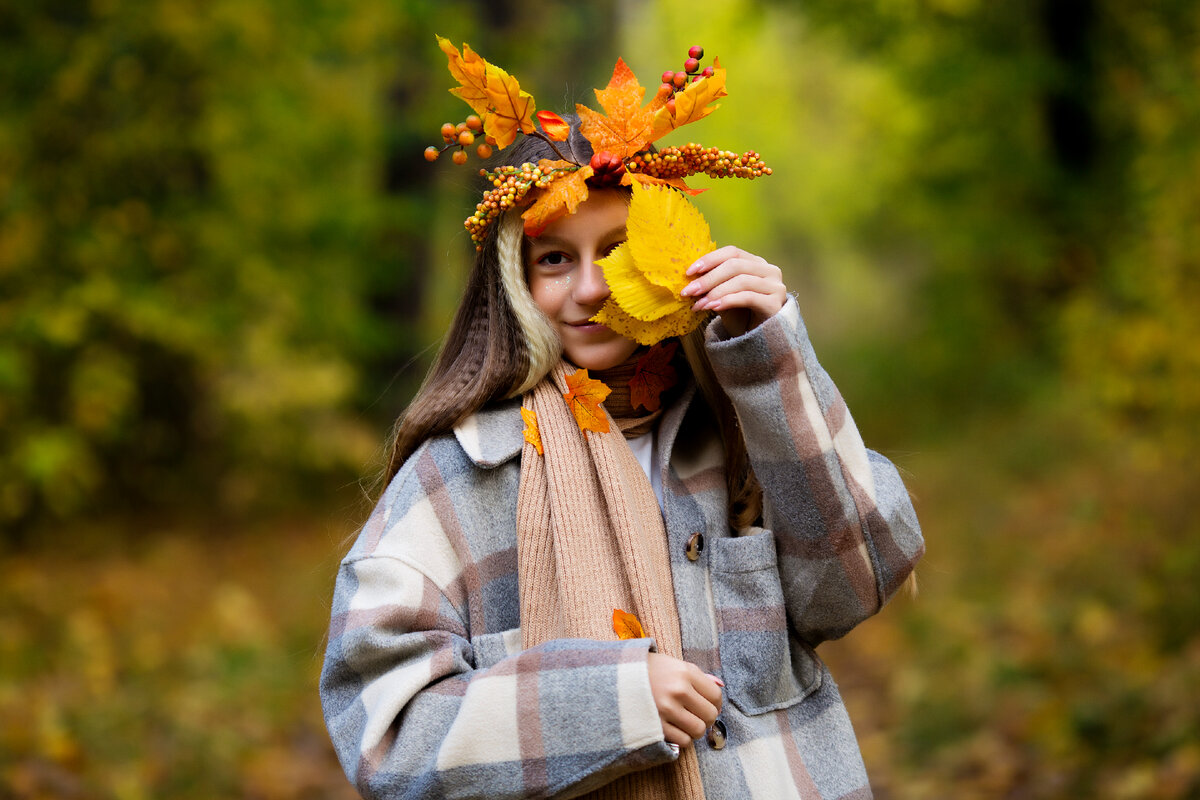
{"type": "Point", "coordinates": [621, 138]}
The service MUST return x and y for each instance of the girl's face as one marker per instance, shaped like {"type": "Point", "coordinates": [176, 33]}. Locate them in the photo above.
{"type": "Point", "coordinates": [567, 285]}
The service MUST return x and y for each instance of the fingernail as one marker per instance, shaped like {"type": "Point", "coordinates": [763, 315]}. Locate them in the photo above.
{"type": "Point", "coordinates": [717, 680]}
{"type": "Point", "coordinates": [695, 266]}
{"type": "Point", "coordinates": [691, 289]}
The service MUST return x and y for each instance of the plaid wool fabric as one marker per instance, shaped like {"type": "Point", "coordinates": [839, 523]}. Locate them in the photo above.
{"type": "Point", "coordinates": [428, 693]}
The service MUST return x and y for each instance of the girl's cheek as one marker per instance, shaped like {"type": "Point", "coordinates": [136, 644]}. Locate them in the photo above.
{"type": "Point", "coordinates": [559, 285]}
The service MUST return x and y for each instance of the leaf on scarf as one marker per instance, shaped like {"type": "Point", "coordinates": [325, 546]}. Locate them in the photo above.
{"type": "Point", "coordinates": [560, 198]}
{"type": "Point", "coordinates": [491, 92]}
{"type": "Point", "coordinates": [626, 127]}
{"type": "Point", "coordinates": [584, 397]}
{"type": "Point", "coordinates": [652, 375]}
{"type": "Point", "coordinates": [531, 432]}
{"type": "Point", "coordinates": [693, 103]}
{"type": "Point", "coordinates": [626, 625]}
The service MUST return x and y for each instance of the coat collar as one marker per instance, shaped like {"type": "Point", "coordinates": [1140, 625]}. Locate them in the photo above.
{"type": "Point", "coordinates": [493, 434]}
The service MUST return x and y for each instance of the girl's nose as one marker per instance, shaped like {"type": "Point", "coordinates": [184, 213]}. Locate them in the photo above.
{"type": "Point", "coordinates": [592, 289]}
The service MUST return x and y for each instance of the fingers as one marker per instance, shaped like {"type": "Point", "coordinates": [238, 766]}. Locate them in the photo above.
{"type": "Point", "coordinates": [740, 286]}
{"type": "Point", "coordinates": [688, 700]}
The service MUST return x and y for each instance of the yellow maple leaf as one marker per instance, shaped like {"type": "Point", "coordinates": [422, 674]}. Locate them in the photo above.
{"type": "Point", "coordinates": [693, 103]}
{"type": "Point", "coordinates": [491, 92]}
{"type": "Point", "coordinates": [584, 396]}
{"type": "Point", "coordinates": [626, 625]}
{"type": "Point", "coordinates": [559, 198]}
{"type": "Point", "coordinates": [510, 109]}
{"type": "Point", "coordinates": [470, 70]}
{"type": "Point", "coordinates": [626, 127]}
{"type": "Point", "coordinates": [531, 432]}
{"type": "Point", "coordinates": [666, 234]}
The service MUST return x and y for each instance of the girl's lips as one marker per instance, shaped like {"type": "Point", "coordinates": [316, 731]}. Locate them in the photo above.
{"type": "Point", "coordinates": [588, 327]}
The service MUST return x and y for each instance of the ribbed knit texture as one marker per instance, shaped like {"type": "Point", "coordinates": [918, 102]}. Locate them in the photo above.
{"type": "Point", "coordinates": [590, 538]}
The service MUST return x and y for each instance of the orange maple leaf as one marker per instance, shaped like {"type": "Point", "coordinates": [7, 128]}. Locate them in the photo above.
{"type": "Point", "coordinates": [653, 375]}
{"type": "Point", "coordinates": [626, 127]}
{"type": "Point", "coordinates": [626, 625]}
{"type": "Point", "coordinates": [693, 103]}
{"type": "Point", "coordinates": [531, 432]}
{"type": "Point", "coordinates": [559, 198]}
{"type": "Point", "coordinates": [584, 396]}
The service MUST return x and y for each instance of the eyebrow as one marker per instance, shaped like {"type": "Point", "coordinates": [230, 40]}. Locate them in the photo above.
{"type": "Point", "coordinates": [557, 241]}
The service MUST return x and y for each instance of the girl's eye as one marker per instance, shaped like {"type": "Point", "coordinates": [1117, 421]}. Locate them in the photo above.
{"type": "Point", "coordinates": [553, 259]}
{"type": "Point", "coordinates": [608, 250]}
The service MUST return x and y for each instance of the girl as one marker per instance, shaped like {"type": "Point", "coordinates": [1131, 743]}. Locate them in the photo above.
{"type": "Point", "coordinates": [472, 652]}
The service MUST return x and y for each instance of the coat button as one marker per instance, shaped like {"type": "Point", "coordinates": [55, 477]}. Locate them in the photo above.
{"type": "Point", "coordinates": [695, 546]}
{"type": "Point", "coordinates": [716, 735]}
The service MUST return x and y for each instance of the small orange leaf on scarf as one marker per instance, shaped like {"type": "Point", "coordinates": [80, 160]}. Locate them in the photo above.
{"type": "Point", "coordinates": [531, 432]}
{"type": "Point", "coordinates": [653, 375]}
{"type": "Point", "coordinates": [626, 625]}
{"type": "Point", "coordinates": [584, 397]}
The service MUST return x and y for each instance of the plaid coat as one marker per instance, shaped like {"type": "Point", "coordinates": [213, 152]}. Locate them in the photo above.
{"type": "Point", "coordinates": [427, 692]}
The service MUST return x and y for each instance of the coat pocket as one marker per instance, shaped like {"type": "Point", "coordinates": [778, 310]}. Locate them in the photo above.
{"type": "Point", "coordinates": [763, 666]}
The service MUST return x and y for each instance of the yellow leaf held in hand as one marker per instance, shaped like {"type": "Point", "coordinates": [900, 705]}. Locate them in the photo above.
{"type": "Point", "coordinates": [666, 234]}
{"type": "Point", "coordinates": [531, 432]}
{"type": "Point", "coordinates": [584, 396]}
{"type": "Point", "coordinates": [626, 625]}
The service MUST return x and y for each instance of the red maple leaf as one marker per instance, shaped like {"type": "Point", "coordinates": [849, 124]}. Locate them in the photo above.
{"type": "Point", "coordinates": [653, 375]}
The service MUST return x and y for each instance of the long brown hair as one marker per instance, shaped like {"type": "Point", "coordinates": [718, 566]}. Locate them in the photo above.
{"type": "Point", "coordinates": [486, 357]}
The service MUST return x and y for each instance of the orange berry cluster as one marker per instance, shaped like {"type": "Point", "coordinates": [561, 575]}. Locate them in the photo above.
{"type": "Point", "coordinates": [509, 187]}
{"type": "Point", "coordinates": [462, 136]}
{"type": "Point", "coordinates": [692, 159]}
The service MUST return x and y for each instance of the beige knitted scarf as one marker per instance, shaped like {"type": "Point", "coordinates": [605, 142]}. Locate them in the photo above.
{"type": "Point", "coordinates": [591, 538]}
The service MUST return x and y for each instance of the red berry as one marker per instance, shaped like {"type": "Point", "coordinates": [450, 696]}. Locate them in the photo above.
{"type": "Point", "coordinates": [484, 151]}
{"type": "Point", "coordinates": [459, 157]}
{"type": "Point", "coordinates": [679, 78]}
{"type": "Point", "coordinates": [708, 72]}
{"type": "Point", "coordinates": [460, 127]}
{"type": "Point", "coordinates": [474, 123]}
{"type": "Point", "coordinates": [448, 131]}
{"type": "Point", "coordinates": [696, 52]}
{"type": "Point", "coordinates": [431, 153]}
{"type": "Point", "coordinates": [671, 105]}
{"type": "Point", "coordinates": [691, 66]}
{"type": "Point", "coordinates": [465, 138]}
{"type": "Point", "coordinates": [665, 90]}
{"type": "Point", "coordinates": [668, 75]}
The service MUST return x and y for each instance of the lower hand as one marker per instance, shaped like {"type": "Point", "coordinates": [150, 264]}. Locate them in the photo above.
{"type": "Point", "coordinates": [688, 699]}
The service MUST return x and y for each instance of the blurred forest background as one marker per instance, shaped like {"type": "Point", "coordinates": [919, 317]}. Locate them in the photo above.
{"type": "Point", "coordinates": [224, 267]}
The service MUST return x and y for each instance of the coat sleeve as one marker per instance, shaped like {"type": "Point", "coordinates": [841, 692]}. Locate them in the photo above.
{"type": "Point", "coordinates": [846, 533]}
{"type": "Point", "coordinates": [418, 708]}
